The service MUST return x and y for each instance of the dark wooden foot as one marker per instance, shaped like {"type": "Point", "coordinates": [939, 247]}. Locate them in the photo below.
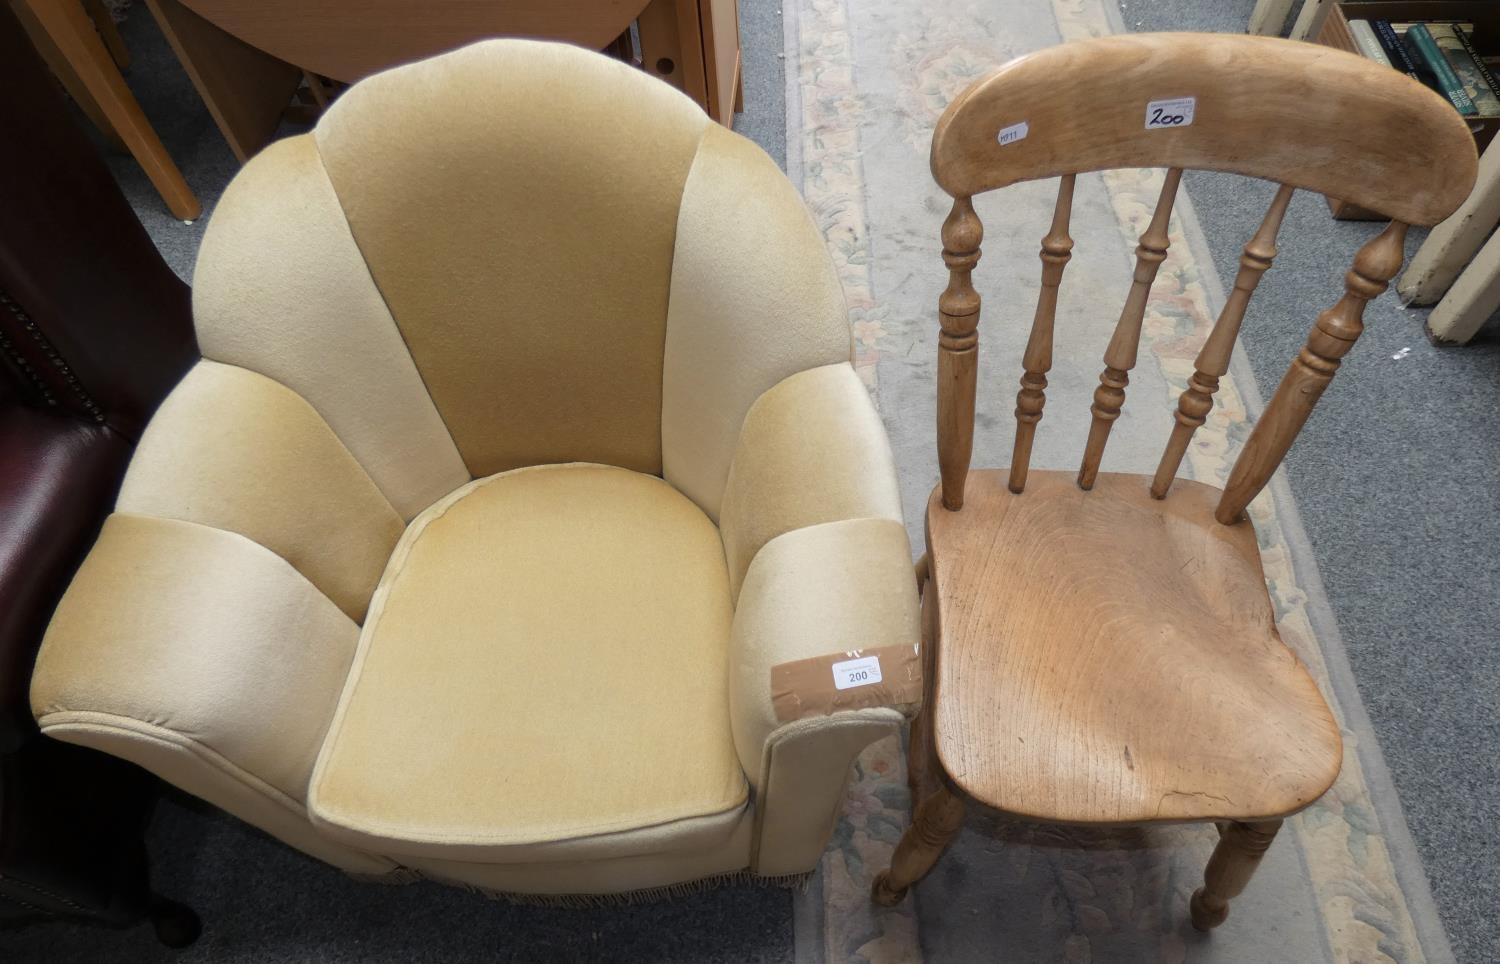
{"type": "Point", "coordinates": [176, 925]}
{"type": "Point", "coordinates": [935, 823]}
{"type": "Point", "coordinates": [1238, 854]}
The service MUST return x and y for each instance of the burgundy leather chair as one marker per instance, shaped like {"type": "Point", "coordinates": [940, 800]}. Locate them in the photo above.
{"type": "Point", "coordinates": [94, 331]}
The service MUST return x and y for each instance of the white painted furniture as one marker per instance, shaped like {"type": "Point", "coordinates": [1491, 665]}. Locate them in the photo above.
{"type": "Point", "coordinates": [1270, 16]}
{"type": "Point", "coordinates": [1456, 265]}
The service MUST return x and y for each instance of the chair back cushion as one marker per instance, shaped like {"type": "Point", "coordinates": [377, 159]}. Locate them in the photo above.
{"type": "Point", "coordinates": [516, 203]}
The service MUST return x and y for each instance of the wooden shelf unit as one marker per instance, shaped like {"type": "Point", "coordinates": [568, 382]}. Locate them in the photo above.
{"type": "Point", "coordinates": [1486, 19]}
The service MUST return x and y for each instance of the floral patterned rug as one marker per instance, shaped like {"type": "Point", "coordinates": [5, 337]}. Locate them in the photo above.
{"type": "Point", "coordinates": [866, 82]}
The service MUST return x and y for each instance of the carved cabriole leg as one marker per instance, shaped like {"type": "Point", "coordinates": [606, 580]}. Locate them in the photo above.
{"type": "Point", "coordinates": [935, 822]}
{"type": "Point", "coordinates": [1057, 248]}
{"type": "Point", "coordinates": [1238, 854]}
{"type": "Point", "coordinates": [1311, 371]}
{"type": "Point", "coordinates": [958, 312]}
{"type": "Point", "coordinates": [1197, 400]}
{"type": "Point", "coordinates": [1119, 357]}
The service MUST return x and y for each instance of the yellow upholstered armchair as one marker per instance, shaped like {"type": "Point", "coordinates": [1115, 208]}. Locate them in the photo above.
{"type": "Point", "coordinates": [524, 445]}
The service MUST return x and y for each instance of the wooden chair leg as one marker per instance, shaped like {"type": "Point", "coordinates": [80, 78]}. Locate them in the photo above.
{"type": "Point", "coordinates": [918, 757]}
{"type": "Point", "coordinates": [920, 752]}
{"type": "Point", "coordinates": [108, 32]}
{"type": "Point", "coordinates": [72, 32]}
{"type": "Point", "coordinates": [934, 824]}
{"type": "Point", "coordinates": [1240, 848]}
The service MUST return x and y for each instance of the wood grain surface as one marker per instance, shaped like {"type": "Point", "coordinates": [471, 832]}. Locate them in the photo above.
{"type": "Point", "coordinates": [1106, 657]}
{"type": "Point", "coordinates": [1297, 113]}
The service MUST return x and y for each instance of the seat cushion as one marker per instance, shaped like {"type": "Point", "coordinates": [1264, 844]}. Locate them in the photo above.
{"type": "Point", "coordinates": [542, 676]}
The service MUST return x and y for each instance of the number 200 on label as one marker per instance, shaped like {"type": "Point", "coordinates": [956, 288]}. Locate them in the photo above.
{"type": "Point", "coordinates": [1177, 112]}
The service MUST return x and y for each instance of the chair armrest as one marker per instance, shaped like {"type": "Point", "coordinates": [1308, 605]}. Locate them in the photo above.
{"type": "Point", "coordinates": [235, 450]}
{"type": "Point", "coordinates": [811, 450]}
{"type": "Point", "coordinates": [813, 591]}
{"type": "Point", "coordinates": [206, 659]}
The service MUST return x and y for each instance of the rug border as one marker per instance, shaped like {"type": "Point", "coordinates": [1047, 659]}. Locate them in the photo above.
{"type": "Point", "coordinates": [791, 64]}
{"type": "Point", "coordinates": [807, 904]}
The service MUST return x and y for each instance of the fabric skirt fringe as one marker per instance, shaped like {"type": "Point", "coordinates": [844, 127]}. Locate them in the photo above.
{"type": "Point", "coordinates": [646, 895]}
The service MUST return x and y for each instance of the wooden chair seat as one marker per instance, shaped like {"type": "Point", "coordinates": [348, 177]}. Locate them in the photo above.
{"type": "Point", "coordinates": [1107, 657]}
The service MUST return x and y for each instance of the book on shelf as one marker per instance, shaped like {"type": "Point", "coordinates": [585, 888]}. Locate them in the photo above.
{"type": "Point", "coordinates": [1368, 43]}
{"type": "Point", "coordinates": [1473, 75]}
{"type": "Point", "coordinates": [1420, 43]}
{"type": "Point", "coordinates": [1438, 53]}
{"type": "Point", "coordinates": [1395, 50]}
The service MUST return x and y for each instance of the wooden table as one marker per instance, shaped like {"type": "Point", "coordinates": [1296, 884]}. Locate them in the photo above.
{"type": "Point", "coordinates": [247, 59]}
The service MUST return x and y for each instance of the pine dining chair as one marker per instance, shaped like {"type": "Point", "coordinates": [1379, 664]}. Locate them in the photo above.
{"type": "Point", "coordinates": [1101, 648]}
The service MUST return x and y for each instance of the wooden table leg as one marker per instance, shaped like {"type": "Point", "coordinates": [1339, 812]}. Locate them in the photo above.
{"type": "Point", "coordinates": [739, 84]}
{"type": "Point", "coordinates": [69, 27]}
{"type": "Point", "coordinates": [245, 90]}
{"type": "Point", "coordinates": [69, 78]}
{"type": "Point", "coordinates": [1452, 244]}
{"type": "Point", "coordinates": [672, 41]}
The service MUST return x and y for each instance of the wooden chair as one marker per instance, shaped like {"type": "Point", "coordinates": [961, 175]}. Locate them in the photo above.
{"type": "Point", "coordinates": [1099, 651]}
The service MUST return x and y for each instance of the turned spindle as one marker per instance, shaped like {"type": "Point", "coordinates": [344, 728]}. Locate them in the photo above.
{"type": "Point", "coordinates": [1197, 400]}
{"type": "Point", "coordinates": [1057, 248]}
{"type": "Point", "coordinates": [958, 343]}
{"type": "Point", "coordinates": [1334, 334]}
{"type": "Point", "coordinates": [1119, 357]}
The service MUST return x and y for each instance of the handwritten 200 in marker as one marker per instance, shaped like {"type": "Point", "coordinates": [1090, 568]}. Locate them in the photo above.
{"type": "Point", "coordinates": [1177, 112]}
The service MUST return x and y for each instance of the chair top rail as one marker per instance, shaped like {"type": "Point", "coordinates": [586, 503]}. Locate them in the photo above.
{"type": "Point", "coordinates": [1298, 113]}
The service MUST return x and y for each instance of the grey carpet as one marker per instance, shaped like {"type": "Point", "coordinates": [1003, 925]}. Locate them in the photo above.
{"type": "Point", "coordinates": [1397, 477]}
{"type": "Point", "coordinates": [263, 902]}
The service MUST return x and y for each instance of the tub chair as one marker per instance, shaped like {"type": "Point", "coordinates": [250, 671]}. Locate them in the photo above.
{"type": "Point", "coordinates": [524, 445]}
